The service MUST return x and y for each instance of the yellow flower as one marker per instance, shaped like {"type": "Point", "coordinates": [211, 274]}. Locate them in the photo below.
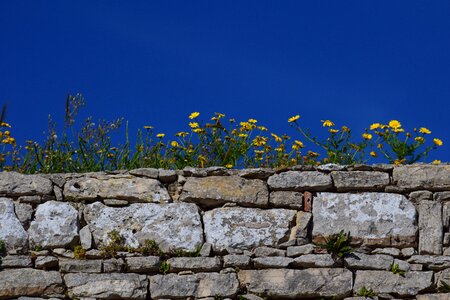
{"type": "Point", "coordinates": [333, 130]}
{"type": "Point", "coordinates": [294, 118]}
{"type": "Point", "coordinates": [276, 137]}
{"type": "Point", "coordinates": [380, 146]}
{"type": "Point", "coordinates": [279, 149]}
{"type": "Point", "coordinates": [198, 130]}
{"type": "Point", "coordinates": [3, 124]}
{"type": "Point", "coordinates": [160, 135]}
{"type": "Point", "coordinates": [419, 139]}
{"type": "Point", "coordinates": [373, 154]}
{"type": "Point", "coordinates": [437, 142]}
{"type": "Point", "coordinates": [262, 128]}
{"type": "Point", "coordinates": [181, 133]}
{"type": "Point", "coordinates": [367, 136]}
{"type": "Point", "coordinates": [394, 124]}
{"type": "Point", "coordinates": [399, 161]}
{"type": "Point", "coordinates": [228, 166]}
{"type": "Point", "coordinates": [232, 120]}
{"type": "Point", "coordinates": [246, 126]}
{"type": "Point", "coordinates": [375, 126]}
{"type": "Point", "coordinates": [259, 141]}
{"type": "Point", "coordinates": [259, 151]}
{"type": "Point", "coordinates": [345, 129]}
{"type": "Point", "coordinates": [424, 130]}
{"type": "Point", "coordinates": [7, 133]}
{"type": "Point", "coordinates": [174, 144]}
{"type": "Point", "coordinates": [398, 130]}
{"type": "Point", "coordinates": [193, 124]}
{"type": "Point", "coordinates": [253, 121]}
{"type": "Point", "coordinates": [313, 154]}
{"type": "Point", "coordinates": [194, 115]}
{"type": "Point", "coordinates": [110, 155]}
{"type": "Point", "coordinates": [299, 144]}
{"type": "Point", "coordinates": [327, 123]}
{"type": "Point", "coordinates": [243, 135]}
{"type": "Point", "coordinates": [148, 127]}
{"type": "Point", "coordinates": [436, 162]}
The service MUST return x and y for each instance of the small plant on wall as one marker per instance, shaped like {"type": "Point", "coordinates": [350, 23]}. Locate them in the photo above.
{"type": "Point", "coordinates": [339, 244]}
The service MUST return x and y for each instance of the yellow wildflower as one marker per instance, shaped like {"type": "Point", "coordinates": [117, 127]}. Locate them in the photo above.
{"type": "Point", "coordinates": [113, 148]}
{"type": "Point", "coordinates": [375, 126]}
{"type": "Point", "coordinates": [399, 161]}
{"type": "Point", "coordinates": [228, 166]}
{"type": "Point", "coordinates": [367, 136]}
{"type": "Point", "coordinates": [327, 123]}
{"type": "Point", "coordinates": [398, 130]}
{"type": "Point", "coordinates": [259, 141]}
{"type": "Point", "coordinates": [7, 133]}
{"type": "Point", "coordinates": [174, 144]}
{"type": "Point", "coordinates": [259, 151]}
{"type": "Point", "coordinates": [253, 121]}
{"type": "Point", "coordinates": [262, 128]}
{"type": "Point", "coordinates": [373, 154]}
{"type": "Point", "coordinates": [436, 162]}
{"type": "Point", "coordinates": [181, 133]}
{"type": "Point", "coordinates": [148, 127]}
{"type": "Point", "coordinates": [424, 130]}
{"type": "Point", "coordinates": [246, 126]}
{"type": "Point", "coordinates": [345, 129]}
{"type": "Point", "coordinates": [333, 130]}
{"type": "Point", "coordinates": [160, 135]}
{"type": "Point", "coordinates": [299, 144]}
{"type": "Point", "coordinates": [110, 155]}
{"type": "Point", "coordinates": [313, 154]}
{"type": "Point", "coordinates": [279, 149]}
{"type": "Point", "coordinates": [394, 124]}
{"type": "Point", "coordinates": [243, 135]}
{"type": "Point", "coordinates": [193, 125]}
{"type": "Point", "coordinates": [294, 118]}
{"type": "Point", "coordinates": [194, 115]}
{"type": "Point", "coordinates": [276, 138]}
{"type": "Point", "coordinates": [437, 142]}
{"type": "Point", "coordinates": [3, 124]}
{"type": "Point", "coordinates": [232, 120]}
{"type": "Point", "coordinates": [198, 130]}
{"type": "Point", "coordinates": [419, 139]}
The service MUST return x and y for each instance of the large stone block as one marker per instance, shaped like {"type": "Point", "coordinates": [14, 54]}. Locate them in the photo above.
{"type": "Point", "coordinates": [55, 225]}
{"type": "Point", "coordinates": [360, 180]}
{"type": "Point", "coordinates": [12, 232]}
{"type": "Point", "coordinates": [214, 191]}
{"type": "Point", "coordinates": [15, 184]}
{"type": "Point", "coordinates": [124, 187]}
{"type": "Point", "coordinates": [377, 219]}
{"type": "Point", "coordinates": [300, 181]}
{"type": "Point", "coordinates": [429, 177]}
{"type": "Point", "coordinates": [430, 227]}
{"type": "Point", "coordinates": [171, 226]}
{"type": "Point", "coordinates": [296, 284]}
{"type": "Point", "coordinates": [246, 228]}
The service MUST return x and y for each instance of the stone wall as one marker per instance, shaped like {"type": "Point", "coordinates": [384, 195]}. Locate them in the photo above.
{"type": "Point", "coordinates": [226, 234]}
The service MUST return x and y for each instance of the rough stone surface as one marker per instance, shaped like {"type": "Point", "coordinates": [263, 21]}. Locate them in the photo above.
{"type": "Point", "coordinates": [418, 196]}
{"type": "Point", "coordinates": [116, 187]}
{"type": "Point", "coordinates": [430, 227]}
{"type": "Point", "coordinates": [387, 282]}
{"type": "Point", "coordinates": [256, 173]}
{"type": "Point", "coordinates": [206, 250]}
{"type": "Point", "coordinates": [239, 261]}
{"type": "Point", "coordinates": [363, 261]}
{"type": "Point", "coordinates": [195, 264]}
{"type": "Point", "coordinates": [300, 181]}
{"type": "Point", "coordinates": [167, 176]}
{"type": "Point", "coordinates": [429, 177]}
{"type": "Point", "coordinates": [33, 199]}
{"type": "Point", "coordinates": [441, 196]}
{"type": "Point", "coordinates": [46, 262]}
{"type": "Point", "coordinates": [113, 265]}
{"type": "Point", "coordinates": [216, 190]}
{"type": "Point", "coordinates": [55, 225]}
{"type": "Point", "coordinates": [442, 276]}
{"type": "Point", "coordinates": [295, 251]}
{"type": "Point", "coordinates": [29, 282]}
{"type": "Point", "coordinates": [269, 251]}
{"type": "Point", "coordinates": [316, 261]}
{"type": "Point", "coordinates": [16, 261]}
{"type": "Point", "coordinates": [246, 228]}
{"type": "Point", "coordinates": [286, 199]}
{"type": "Point", "coordinates": [294, 284]}
{"type": "Point", "coordinates": [144, 264]}
{"type": "Point", "coordinates": [377, 219]}
{"type": "Point", "coordinates": [15, 184]}
{"type": "Point", "coordinates": [145, 172]}
{"type": "Point", "coordinates": [444, 296]}
{"type": "Point", "coordinates": [75, 266]}
{"type": "Point", "coordinates": [302, 228]}
{"type": "Point", "coordinates": [432, 262]}
{"type": "Point", "coordinates": [360, 180]}
{"type": "Point", "coordinates": [106, 286]}
{"type": "Point", "coordinates": [388, 251]}
{"type": "Point", "coordinates": [172, 226]}
{"type": "Point", "coordinates": [24, 212]}
{"type": "Point", "coordinates": [86, 238]}
{"type": "Point", "coordinates": [268, 262]}
{"type": "Point", "coordinates": [12, 232]}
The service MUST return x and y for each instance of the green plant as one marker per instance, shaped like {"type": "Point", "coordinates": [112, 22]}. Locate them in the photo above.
{"type": "Point", "coordinates": [339, 245]}
{"type": "Point", "coordinates": [116, 243]}
{"type": "Point", "coordinates": [394, 268]}
{"type": "Point", "coordinates": [38, 248]}
{"type": "Point", "coordinates": [150, 247]}
{"type": "Point", "coordinates": [2, 246]}
{"type": "Point", "coordinates": [444, 287]}
{"type": "Point", "coordinates": [79, 252]}
{"type": "Point", "coordinates": [364, 292]}
{"type": "Point", "coordinates": [183, 253]}
{"type": "Point", "coordinates": [218, 297]}
{"type": "Point", "coordinates": [164, 268]}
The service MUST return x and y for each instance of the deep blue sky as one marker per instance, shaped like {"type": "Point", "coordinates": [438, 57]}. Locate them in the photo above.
{"type": "Point", "coordinates": [154, 62]}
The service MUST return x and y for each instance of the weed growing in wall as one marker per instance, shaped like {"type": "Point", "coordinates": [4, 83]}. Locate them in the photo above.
{"type": "Point", "coordinates": [339, 245]}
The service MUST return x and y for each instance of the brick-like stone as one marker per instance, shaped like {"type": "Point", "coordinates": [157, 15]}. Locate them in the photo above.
{"type": "Point", "coordinates": [15, 184]}
{"type": "Point", "coordinates": [432, 262]}
{"type": "Point", "coordinates": [295, 251]}
{"type": "Point", "coordinates": [12, 232]}
{"type": "Point", "coordinates": [195, 264]}
{"type": "Point", "coordinates": [268, 262]}
{"type": "Point", "coordinates": [300, 181]}
{"type": "Point", "coordinates": [360, 180]}
{"type": "Point", "coordinates": [286, 199]}
{"type": "Point", "coordinates": [430, 227]}
{"type": "Point", "coordinates": [144, 264]}
{"type": "Point", "coordinates": [75, 265]}
{"type": "Point", "coordinates": [236, 261]}
{"type": "Point", "coordinates": [363, 261]}
{"type": "Point", "coordinates": [268, 251]}
{"type": "Point", "coordinates": [316, 261]}
{"type": "Point", "coordinates": [428, 177]}
{"type": "Point", "coordinates": [16, 261]}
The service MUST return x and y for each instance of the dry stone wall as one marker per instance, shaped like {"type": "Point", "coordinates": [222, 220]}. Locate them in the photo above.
{"type": "Point", "coordinates": [226, 234]}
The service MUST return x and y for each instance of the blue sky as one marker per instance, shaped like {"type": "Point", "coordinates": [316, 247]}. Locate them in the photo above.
{"type": "Point", "coordinates": [154, 62]}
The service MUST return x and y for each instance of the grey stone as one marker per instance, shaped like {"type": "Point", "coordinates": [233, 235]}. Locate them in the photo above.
{"type": "Point", "coordinates": [206, 250]}
{"type": "Point", "coordinates": [268, 251]}
{"type": "Point", "coordinates": [316, 261]}
{"type": "Point", "coordinates": [33, 199]}
{"type": "Point", "coordinates": [360, 180]}
{"type": "Point", "coordinates": [145, 172]}
{"type": "Point", "coordinates": [171, 226]}
{"type": "Point", "coordinates": [446, 251]}
{"type": "Point", "coordinates": [418, 196]}
{"type": "Point", "coordinates": [62, 252]}
{"type": "Point", "coordinates": [46, 262]}
{"type": "Point", "coordinates": [113, 265]}
{"type": "Point", "coordinates": [93, 254]}
{"type": "Point", "coordinates": [214, 191]}
{"type": "Point", "coordinates": [39, 253]}
{"type": "Point", "coordinates": [167, 176]}
{"type": "Point", "coordinates": [331, 167]}
{"type": "Point", "coordinates": [12, 232]}
{"type": "Point", "coordinates": [217, 171]}
{"type": "Point", "coordinates": [115, 202]}
{"type": "Point", "coordinates": [15, 184]}
{"type": "Point", "coordinates": [286, 199]}
{"type": "Point", "coordinates": [432, 262]}
{"type": "Point", "coordinates": [407, 252]}
{"type": "Point", "coordinates": [217, 285]}
{"type": "Point", "coordinates": [295, 251]}
{"type": "Point", "coordinates": [388, 251]}
{"type": "Point", "coordinates": [106, 286]}
{"type": "Point", "coordinates": [250, 297]}
{"type": "Point", "coordinates": [442, 276]}
{"type": "Point", "coordinates": [58, 193]}
{"type": "Point", "coordinates": [442, 196]}
{"type": "Point", "coordinates": [236, 261]}
{"type": "Point", "coordinates": [415, 267]}
{"type": "Point", "coordinates": [445, 296]}
{"type": "Point", "coordinates": [403, 265]}
{"type": "Point", "coordinates": [24, 212]}
{"type": "Point", "coordinates": [194, 264]}
{"type": "Point", "coordinates": [295, 284]}
{"type": "Point", "coordinates": [387, 282]}
{"type": "Point", "coordinates": [300, 181]}
{"type": "Point", "coordinates": [246, 228]}
{"type": "Point", "coordinates": [175, 190]}
{"type": "Point", "coordinates": [430, 227]}
{"type": "Point", "coordinates": [86, 238]}
{"type": "Point", "coordinates": [16, 261]}
{"type": "Point", "coordinates": [268, 262]}
{"type": "Point", "coordinates": [29, 282]}
{"type": "Point", "coordinates": [194, 172]}
{"type": "Point", "coordinates": [446, 215]}
{"type": "Point", "coordinates": [374, 219]}
{"type": "Point", "coordinates": [256, 173]}
{"type": "Point", "coordinates": [428, 177]}
{"type": "Point", "coordinates": [55, 225]}
{"type": "Point", "coordinates": [144, 264]}
{"type": "Point", "coordinates": [302, 228]}
{"type": "Point", "coordinates": [75, 266]}
{"type": "Point", "coordinates": [363, 261]}
{"type": "Point", "coordinates": [116, 187]}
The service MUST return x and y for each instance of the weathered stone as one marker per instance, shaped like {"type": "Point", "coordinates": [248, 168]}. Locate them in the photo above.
{"type": "Point", "coordinates": [300, 181]}
{"type": "Point", "coordinates": [415, 267]}
{"type": "Point", "coordinates": [175, 190]}
{"type": "Point", "coordinates": [115, 202]}
{"type": "Point", "coordinates": [430, 227]}
{"type": "Point", "coordinates": [214, 191]}
{"type": "Point", "coordinates": [75, 265]}
{"type": "Point", "coordinates": [55, 225]}
{"type": "Point", "coordinates": [432, 262]}
{"type": "Point", "coordinates": [360, 180]}
{"type": "Point", "coordinates": [29, 282]}
{"type": "Point", "coordinates": [106, 286]}
{"type": "Point", "coordinates": [15, 184]}
{"type": "Point", "coordinates": [206, 250]}
{"type": "Point", "coordinates": [445, 296]}
{"type": "Point", "coordinates": [194, 264]}
{"type": "Point", "coordinates": [407, 252]}
{"type": "Point", "coordinates": [172, 226]}
{"type": "Point", "coordinates": [256, 173]}
{"type": "Point", "coordinates": [24, 212]}
{"type": "Point", "coordinates": [46, 262]}
{"type": "Point", "coordinates": [194, 172]}
{"type": "Point", "coordinates": [145, 172]}
{"type": "Point", "coordinates": [442, 276]}
{"type": "Point", "coordinates": [113, 265]}
{"type": "Point", "coordinates": [144, 264]}
{"type": "Point", "coordinates": [116, 187]}
{"type": "Point", "coordinates": [376, 219]}
{"type": "Point", "coordinates": [286, 199]}
{"type": "Point", "coordinates": [16, 261]}
{"type": "Point", "coordinates": [58, 193]}
{"type": "Point", "coordinates": [250, 297]}
{"type": "Point", "coordinates": [302, 228]}
{"type": "Point", "coordinates": [236, 261]}
{"type": "Point", "coordinates": [316, 261]}
{"type": "Point", "coordinates": [268, 251]}
{"type": "Point", "coordinates": [93, 253]}
{"type": "Point", "coordinates": [429, 177]}
{"type": "Point", "coordinates": [86, 238]}
{"type": "Point", "coordinates": [418, 196]}
{"type": "Point", "coordinates": [62, 252]}
{"type": "Point", "coordinates": [246, 228]}
{"type": "Point", "coordinates": [33, 199]}
{"type": "Point", "coordinates": [295, 284]}
{"type": "Point", "coordinates": [446, 215]}
{"type": "Point", "coordinates": [268, 262]}
{"type": "Point", "coordinates": [199, 286]}
{"type": "Point", "coordinates": [388, 251]}
{"type": "Point", "coordinates": [295, 251]}
{"type": "Point", "coordinates": [12, 232]}
{"type": "Point", "coordinates": [363, 261]}
{"type": "Point", "coordinates": [403, 265]}
{"type": "Point", "coordinates": [217, 171]}
{"type": "Point", "coordinates": [442, 196]}
{"type": "Point", "coordinates": [167, 176]}
{"type": "Point", "coordinates": [331, 167]}
{"type": "Point", "coordinates": [387, 282]}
